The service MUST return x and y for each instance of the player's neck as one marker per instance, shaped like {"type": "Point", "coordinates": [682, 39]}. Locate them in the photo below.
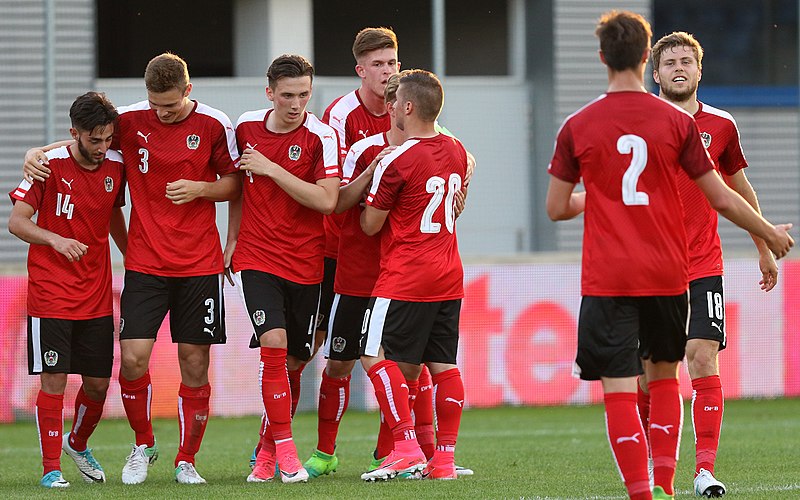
{"type": "Point", "coordinates": [395, 136]}
{"type": "Point", "coordinates": [372, 102]}
{"type": "Point", "coordinates": [689, 105]}
{"type": "Point", "coordinates": [629, 80]}
{"type": "Point", "coordinates": [420, 129]}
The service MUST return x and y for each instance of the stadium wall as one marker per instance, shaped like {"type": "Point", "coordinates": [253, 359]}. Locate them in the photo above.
{"type": "Point", "coordinates": [518, 335]}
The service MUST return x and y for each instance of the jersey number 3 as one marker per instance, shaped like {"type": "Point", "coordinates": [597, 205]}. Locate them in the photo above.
{"type": "Point", "coordinates": [628, 144]}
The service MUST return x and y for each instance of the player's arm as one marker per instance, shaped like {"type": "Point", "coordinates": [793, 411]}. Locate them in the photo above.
{"type": "Point", "coordinates": [21, 225]}
{"type": "Point", "coordinates": [733, 207]}
{"type": "Point", "coordinates": [118, 229]}
{"type": "Point", "coordinates": [35, 166]}
{"type": "Point", "coordinates": [234, 224]}
{"type": "Point", "coordinates": [353, 192]}
{"type": "Point", "coordinates": [227, 187]}
{"type": "Point", "coordinates": [766, 262]}
{"type": "Point", "coordinates": [372, 220]}
{"type": "Point", "coordinates": [562, 203]}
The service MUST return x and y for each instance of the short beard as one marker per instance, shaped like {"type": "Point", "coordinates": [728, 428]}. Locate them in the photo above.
{"type": "Point", "coordinates": [87, 156]}
{"type": "Point", "coordinates": [679, 96]}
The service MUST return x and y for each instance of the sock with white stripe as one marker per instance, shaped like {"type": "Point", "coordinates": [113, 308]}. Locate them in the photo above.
{"type": "Point", "coordinates": [193, 408]}
{"type": "Point", "coordinates": [50, 422]}
{"type": "Point", "coordinates": [334, 395]}
{"type": "Point", "coordinates": [391, 391]}
{"type": "Point", "coordinates": [87, 415]}
{"type": "Point", "coordinates": [136, 396]}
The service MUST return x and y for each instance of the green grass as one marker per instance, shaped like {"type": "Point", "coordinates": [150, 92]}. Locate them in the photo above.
{"type": "Point", "coordinates": [516, 453]}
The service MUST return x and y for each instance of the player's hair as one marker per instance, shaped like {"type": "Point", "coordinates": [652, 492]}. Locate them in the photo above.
{"type": "Point", "coordinates": [165, 72]}
{"type": "Point", "coordinates": [288, 66]}
{"type": "Point", "coordinates": [370, 39]}
{"type": "Point", "coordinates": [390, 92]}
{"type": "Point", "coordinates": [92, 110]}
{"type": "Point", "coordinates": [673, 40]}
{"type": "Point", "coordinates": [424, 89]}
{"type": "Point", "coordinates": [624, 37]}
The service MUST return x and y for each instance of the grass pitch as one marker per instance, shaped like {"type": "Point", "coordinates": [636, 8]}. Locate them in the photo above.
{"type": "Point", "coordinates": [516, 453]}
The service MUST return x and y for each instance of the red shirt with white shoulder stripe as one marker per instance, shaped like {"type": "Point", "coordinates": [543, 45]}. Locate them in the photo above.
{"type": "Point", "coordinates": [73, 203]}
{"type": "Point", "coordinates": [278, 235]}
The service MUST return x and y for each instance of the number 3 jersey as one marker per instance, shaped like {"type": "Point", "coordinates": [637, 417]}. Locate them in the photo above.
{"type": "Point", "coordinates": [628, 147]}
{"type": "Point", "coordinates": [73, 203]}
{"type": "Point", "coordinates": [417, 183]}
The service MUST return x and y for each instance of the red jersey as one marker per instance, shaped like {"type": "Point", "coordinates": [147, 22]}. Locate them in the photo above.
{"type": "Point", "coordinates": [359, 254]}
{"type": "Point", "coordinates": [417, 183]}
{"type": "Point", "coordinates": [721, 139]}
{"type": "Point", "coordinates": [352, 122]}
{"type": "Point", "coordinates": [278, 235]}
{"type": "Point", "coordinates": [74, 203]}
{"type": "Point", "coordinates": [628, 147]}
{"type": "Point", "coordinates": [166, 239]}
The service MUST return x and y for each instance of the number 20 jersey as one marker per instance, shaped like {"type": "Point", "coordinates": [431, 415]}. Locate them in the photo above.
{"type": "Point", "coordinates": [628, 147]}
{"type": "Point", "coordinates": [416, 183]}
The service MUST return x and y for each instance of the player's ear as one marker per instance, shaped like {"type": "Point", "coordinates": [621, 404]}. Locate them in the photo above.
{"type": "Point", "coordinates": [268, 92]}
{"type": "Point", "coordinates": [74, 133]}
{"type": "Point", "coordinates": [602, 57]}
{"type": "Point", "coordinates": [188, 90]}
{"type": "Point", "coordinates": [656, 77]}
{"type": "Point", "coordinates": [360, 71]}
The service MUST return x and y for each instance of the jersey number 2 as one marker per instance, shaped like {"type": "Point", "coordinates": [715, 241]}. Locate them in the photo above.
{"type": "Point", "coordinates": [628, 144]}
{"type": "Point", "coordinates": [436, 186]}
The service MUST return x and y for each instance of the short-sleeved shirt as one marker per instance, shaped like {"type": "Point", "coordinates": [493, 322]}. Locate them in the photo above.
{"type": "Point", "coordinates": [166, 239]}
{"type": "Point", "coordinates": [628, 147]}
{"type": "Point", "coordinates": [73, 203]}
{"type": "Point", "coordinates": [278, 235]}
{"type": "Point", "coordinates": [359, 254]}
{"type": "Point", "coordinates": [352, 122]}
{"type": "Point", "coordinates": [417, 184]}
{"type": "Point", "coordinates": [721, 138]}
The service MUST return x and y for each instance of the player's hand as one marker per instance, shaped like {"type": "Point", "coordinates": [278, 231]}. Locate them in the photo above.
{"type": "Point", "coordinates": [35, 166]}
{"type": "Point", "coordinates": [374, 163]}
{"type": "Point", "coordinates": [183, 191]}
{"type": "Point", "coordinates": [470, 168]}
{"type": "Point", "coordinates": [227, 259]}
{"type": "Point", "coordinates": [782, 241]}
{"type": "Point", "coordinates": [253, 161]}
{"type": "Point", "coordinates": [73, 250]}
{"type": "Point", "coordinates": [769, 271]}
{"type": "Point", "coordinates": [460, 201]}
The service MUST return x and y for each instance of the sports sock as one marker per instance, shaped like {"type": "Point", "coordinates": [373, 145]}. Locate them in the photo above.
{"type": "Point", "coordinates": [448, 391]}
{"type": "Point", "coordinates": [392, 396]}
{"type": "Point", "coordinates": [266, 443]}
{"type": "Point", "coordinates": [87, 415]}
{"type": "Point", "coordinates": [707, 409]}
{"type": "Point", "coordinates": [275, 392]}
{"type": "Point", "coordinates": [193, 410]}
{"type": "Point", "coordinates": [294, 385]}
{"type": "Point", "coordinates": [136, 397]}
{"type": "Point", "coordinates": [666, 420]}
{"type": "Point", "coordinates": [49, 423]}
{"type": "Point", "coordinates": [334, 395]}
{"type": "Point", "coordinates": [626, 436]}
{"type": "Point", "coordinates": [385, 443]}
{"type": "Point", "coordinates": [423, 414]}
{"type": "Point", "coordinates": [643, 405]}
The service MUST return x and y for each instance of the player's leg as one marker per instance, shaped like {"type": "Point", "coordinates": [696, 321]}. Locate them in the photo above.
{"type": "Point", "coordinates": [49, 353]}
{"type": "Point", "coordinates": [423, 414]}
{"type": "Point", "coordinates": [706, 339]}
{"type": "Point", "coordinates": [608, 341]}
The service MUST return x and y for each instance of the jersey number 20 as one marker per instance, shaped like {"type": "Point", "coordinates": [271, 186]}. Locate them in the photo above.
{"type": "Point", "coordinates": [436, 186]}
{"type": "Point", "coordinates": [628, 144]}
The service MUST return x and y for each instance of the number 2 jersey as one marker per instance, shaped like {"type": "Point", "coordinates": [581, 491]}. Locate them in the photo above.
{"type": "Point", "coordinates": [628, 148]}
{"type": "Point", "coordinates": [417, 183]}
{"type": "Point", "coordinates": [73, 203]}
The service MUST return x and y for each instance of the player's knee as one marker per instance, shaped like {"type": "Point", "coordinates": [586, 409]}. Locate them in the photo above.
{"type": "Point", "coordinates": [339, 369]}
{"type": "Point", "coordinates": [54, 383]}
{"type": "Point", "coordinates": [702, 361]}
{"type": "Point", "coordinates": [96, 389]}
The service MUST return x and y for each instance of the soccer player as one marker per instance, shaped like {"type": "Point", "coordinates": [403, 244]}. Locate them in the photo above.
{"type": "Point", "coordinates": [414, 310]}
{"type": "Point", "coordinates": [70, 320]}
{"type": "Point", "coordinates": [179, 159]}
{"type": "Point", "coordinates": [276, 239]}
{"type": "Point", "coordinates": [627, 146]}
{"type": "Point", "coordinates": [677, 69]}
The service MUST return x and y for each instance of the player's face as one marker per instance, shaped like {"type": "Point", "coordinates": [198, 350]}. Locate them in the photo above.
{"type": "Point", "coordinates": [678, 74]}
{"type": "Point", "coordinates": [290, 98]}
{"type": "Point", "coordinates": [376, 67]}
{"type": "Point", "coordinates": [171, 106]}
{"type": "Point", "coordinates": [399, 108]}
{"type": "Point", "coordinates": [93, 145]}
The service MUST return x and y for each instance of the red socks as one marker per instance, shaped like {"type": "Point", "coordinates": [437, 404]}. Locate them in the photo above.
{"type": "Point", "coordinates": [334, 395]}
{"type": "Point", "coordinates": [666, 420]}
{"type": "Point", "coordinates": [391, 391]}
{"type": "Point", "coordinates": [193, 409]}
{"type": "Point", "coordinates": [448, 389]}
{"type": "Point", "coordinates": [50, 422]}
{"type": "Point", "coordinates": [275, 392]}
{"type": "Point", "coordinates": [628, 445]}
{"type": "Point", "coordinates": [423, 414]}
{"type": "Point", "coordinates": [707, 409]}
{"type": "Point", "coordinates": [643, 405]}
{"type": "Point", "coordinates": [87, 416]}
{"type": "Point", "coordinates": [136, 397]}
{"type": "Point", "coordinates": [294, 385]}
{"type": "Point", "coordinates": [385, 443]}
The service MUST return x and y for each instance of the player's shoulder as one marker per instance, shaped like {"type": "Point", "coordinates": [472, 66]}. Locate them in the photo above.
{"type": "Point", "coordinates": [114, 156]}
{"type": "Point", "coordinates": [60, 153]}
{"type": "Point", "coordinates": [400, 152]}
{"type": "Point", "coordinates": [137, 106]}
{"type": "Point", "coordinates": [257, 115]}
{"type": "Point", "coordinates": [710, 112]}
{"type": "Point", "coordinates": [318, 127]}
{"type": "Point", "coordinates": [364, 144]}
{"type": "Point", "coordinates": [214, 114]}
{"type": "Point", "coordinates": [341, 107]}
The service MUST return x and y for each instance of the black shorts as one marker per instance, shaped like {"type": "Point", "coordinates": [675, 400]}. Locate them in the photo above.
{"type": "Point", "coordinates": [85, 347]}
{"type": "Point", "coordinates": [326, 301]}
{"type": "Point", "coordinates": [615, 332]}
{"type": "Point", "coordinates": [195, 303]}
{"type": "Point", "coordinates": [707, 310]}
{"type": "Point", "coordinates": [412, 332]}
{"type": "Point", "coordinates": [274, 302]}
{"type": "Point", "coordinates": [344, 329]}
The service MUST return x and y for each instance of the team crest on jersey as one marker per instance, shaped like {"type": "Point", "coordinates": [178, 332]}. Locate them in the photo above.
{"type": "Point", "coordinates": [259, 317]}
{"type": "Point", "coordinates": [294, 152]}
{"type": "Point", "coordinates": [50, 358]}
{"type": "Point", "coordinates": [337, 344]}
{"type": "Point", "coordinates": [706, 139]}
{"type": "Point", "coordinates": [192, 141]}
{"type": "Point", "coordinates": [109, 182]}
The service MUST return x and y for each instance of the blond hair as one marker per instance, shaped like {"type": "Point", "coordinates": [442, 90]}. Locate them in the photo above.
{"type": "Point", "coordinates": [673, 40]}
{"type": "Point", "coordinates": [166, 72]}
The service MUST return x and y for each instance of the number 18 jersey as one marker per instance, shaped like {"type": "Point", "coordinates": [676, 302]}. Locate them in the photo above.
{"type": "Point", "coordinates": [628, 147]}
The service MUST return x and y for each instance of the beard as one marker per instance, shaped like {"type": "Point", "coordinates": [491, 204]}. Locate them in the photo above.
{"type": "Point", "coordinates": [88, 156]}
{"type": "Point", "coordinates": [679, 96]}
